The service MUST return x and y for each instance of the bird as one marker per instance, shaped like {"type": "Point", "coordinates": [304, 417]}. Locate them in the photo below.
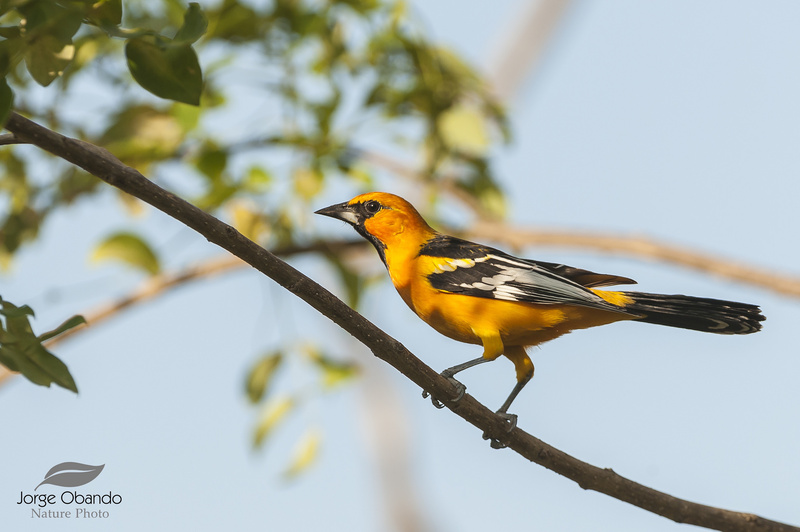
{"type": "Point", "coordinates": [480, 295]}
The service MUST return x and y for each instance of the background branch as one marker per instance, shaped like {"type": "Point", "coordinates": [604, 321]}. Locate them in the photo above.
{"type": "Point", "coordinates": [488, 228]}
{"type": "Point", "coordinates": [105, 166]}
{"type": "Point", "coordinates": [165, 283]}
{"type": "Point", "coordinates": [641, 247]}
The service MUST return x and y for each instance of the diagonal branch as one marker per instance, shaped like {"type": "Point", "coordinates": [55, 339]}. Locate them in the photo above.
{"type": "Point", "coordinates": [105, 166]}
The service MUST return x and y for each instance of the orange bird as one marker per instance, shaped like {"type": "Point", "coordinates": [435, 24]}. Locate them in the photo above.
{"type": "Point", "coordinates": [480, 295]}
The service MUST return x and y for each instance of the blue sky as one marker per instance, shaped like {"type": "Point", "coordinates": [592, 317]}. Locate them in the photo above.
{"type": "Point", "coordinates": [678, 121]}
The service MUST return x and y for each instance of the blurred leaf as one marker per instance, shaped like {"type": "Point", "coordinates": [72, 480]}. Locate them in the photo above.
{"type": "Point", "coordinates": [6, 101]}
{"type": "Point", "coordinates": [11, 51]}
{"type": "Point", "coordinates": [307, 182]}
{"type": "Point", "coordinates": [133, 206]}
{"type": "Point", "coordinates": [187, 116]}
{"type": "Point", "coordinates": [74, 183]}
{"type": "Point", "coordinates": [334, 372]}
{"type": "Point", "coordinates": [105, 13]}
{"type": "Point", "coordinates": [11, 311]}
{"type": "Point", "coordinates": [257, 180]}
{"type": "Point", "coordinates": [235, 22]}
{"type": "Point", "coordinates": [130, 249]}
{"type": "Point", "coordinates": [22, 351]}
{"type": "Point", "coordinates": [305, 453]}
{"type": "Point", "coordinates": [48, 28]}
{"type": "Point", "coordinates": [45, 17]}
{"type": "Point", "coordinates": [477, 181]}
{"type": "Point", "coordinates": [353, 281]}
{"type": "Point", "coordinates": [143, 134]}
{"type": "Point", "coordinates": [464, 129]}
{"type": "Point", "coordinates": [274, 412]}
{"type": "Point", "coordinates": [260, 376]}
{"type": "Point", "coordinates": [220, 191]}
{"type": "Point", "coordinates": [47, 58]}
{"type": "Point", "coordinates": [248, 221]}
{"type": "Point", "coordinates": [212, 162]}
{"type": "Point", "coordinates": [194, 26]}
{"type": "Point", "coordinates": [168, 70]}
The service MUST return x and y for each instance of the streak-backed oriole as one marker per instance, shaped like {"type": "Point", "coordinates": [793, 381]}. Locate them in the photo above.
{"type": "Point", "coordinates": [480, 295]}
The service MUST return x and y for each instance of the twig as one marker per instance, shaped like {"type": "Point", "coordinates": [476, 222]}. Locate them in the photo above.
{"type": "Point", "coordinates": [10, 138]}
{"type": "Point", "coordinates": [523, 46]}
{"type": "Point", "coordinates": [638, 246]}
{"type": "Point", "coordinates": [165, 283]}
{"type": "Point", "coordinates": [105, 166]}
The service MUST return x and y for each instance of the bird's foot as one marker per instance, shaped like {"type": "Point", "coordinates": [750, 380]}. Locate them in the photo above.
{"type": "Point", "coordinates": [460, 387]}
{"type": "Point", "coordinates": [511, 422]}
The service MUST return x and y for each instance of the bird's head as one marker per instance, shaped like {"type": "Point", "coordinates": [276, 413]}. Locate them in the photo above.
{"type": "Point", "coordinates": [384, 219]}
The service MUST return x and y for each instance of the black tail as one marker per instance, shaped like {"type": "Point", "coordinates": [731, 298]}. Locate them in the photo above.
{"type": "Point", "coordinates": [696, 313]}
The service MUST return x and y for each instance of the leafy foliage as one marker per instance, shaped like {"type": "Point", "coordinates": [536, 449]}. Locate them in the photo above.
{"type": "Point", "coordinates": [21, 350]}
{"type": "Point", "coordinates": [129, 249]}
{"type": "Point", "coordinates": [320, 75]}
{"type": "Point", "coordinates": [250, 110]}
{"type": "Point", "coordinates": [276, 406]}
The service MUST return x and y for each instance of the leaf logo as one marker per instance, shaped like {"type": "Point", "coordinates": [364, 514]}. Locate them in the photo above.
{"type": "Point", "coordinates": [71, 474]}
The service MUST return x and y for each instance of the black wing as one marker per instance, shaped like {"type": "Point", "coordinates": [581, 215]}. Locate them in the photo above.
{"type": "Point", "coordinates": [481, 271]}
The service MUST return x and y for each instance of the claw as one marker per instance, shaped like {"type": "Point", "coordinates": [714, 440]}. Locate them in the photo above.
{"type": "Point", "coordinates": [437, 403]}
{"type": "Point", "coordinates": [461, 391]}
{"type": "Point", "coordinates": [511, 421]}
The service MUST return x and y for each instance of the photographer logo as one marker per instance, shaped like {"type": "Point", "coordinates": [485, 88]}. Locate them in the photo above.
{"type": "Point", "coordinates": [70, 503]}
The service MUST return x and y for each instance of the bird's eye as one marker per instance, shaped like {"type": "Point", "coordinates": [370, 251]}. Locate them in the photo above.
{"type": "Point", "coordinates": [372, 206]}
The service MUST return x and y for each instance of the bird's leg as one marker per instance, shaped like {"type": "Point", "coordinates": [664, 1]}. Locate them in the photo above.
{"type": "Point", "coordinates": [524, 367]}
{"type": "Point", "coordinates": [449, 375]}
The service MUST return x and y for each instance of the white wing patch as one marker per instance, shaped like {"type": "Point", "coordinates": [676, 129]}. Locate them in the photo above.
{"type": "Point", "coordinates": [450, 265]}
{"type": "Point", "coordinates": [510, 280]}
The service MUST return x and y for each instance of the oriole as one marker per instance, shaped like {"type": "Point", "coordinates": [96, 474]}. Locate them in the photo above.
{"type": "Point", "coordinates": [480, 295]}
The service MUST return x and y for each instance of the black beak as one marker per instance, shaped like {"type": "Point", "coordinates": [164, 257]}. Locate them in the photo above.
{"type": "Point", "coordinates": [341, 211]}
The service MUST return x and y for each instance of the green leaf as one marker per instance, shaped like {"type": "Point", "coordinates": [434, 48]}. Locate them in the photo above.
{"type": "Point", "coordinates": [305, 453]}
{"type": "Point", "coordinates": [10, 32]}
{"type": "Point", "coordinates": [334, 372]}
{"type": "Point", "coordinates": [10, 54]}
{"type": "Point", "coordinates": [47, 57]}
{"type": "Point", "coordinates": [463, 129]}
{"type": "Point", "coordinates": [194, 26]}
{"type": "Point", "coordinates": [141, 134]}
{"type": "Point", "coordinates": [274, 412]}
{"type": "Point", "coordinates": [261, 375]}
{"type": "Point", "coordinates": [248, 219]}
{"type": "Point", "coordinates": [11, 311]}
{"type": "Point", "coordinates": [106, 13]}
{"type": "Point", "coordinates": [71, 323]}
{"type": "Point", "coordinates": [130, 249]}
{"type": "Point", "coordinates": [21, 350]}
{"type": "Point", "coordinates": [212, 162]}
{"type": "Point", "coordinates": [236, 22]}
{"type": "Point", "coordinates": [256, 180]}
{"type": "Point", "coordinates": [168, 70]}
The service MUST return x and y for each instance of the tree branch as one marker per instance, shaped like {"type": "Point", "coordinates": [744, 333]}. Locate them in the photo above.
{"type": "Point", "coordinates": [10, 138]}
{"type": "Point", "coordinates": [105, 166]}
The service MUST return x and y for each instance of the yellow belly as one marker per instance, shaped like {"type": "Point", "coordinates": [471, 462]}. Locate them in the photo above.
{"type": "Point", "coordinates": [469, 319]}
